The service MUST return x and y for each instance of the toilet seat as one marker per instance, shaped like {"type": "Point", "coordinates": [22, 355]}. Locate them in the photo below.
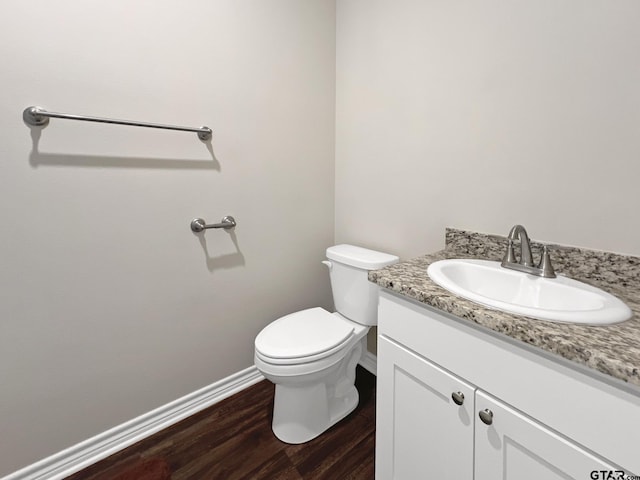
{"type": "Point", "coordinates": [304, 336]}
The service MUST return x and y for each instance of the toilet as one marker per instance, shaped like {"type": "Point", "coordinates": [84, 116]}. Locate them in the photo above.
{"type": "Point", "coordinates": [311, 355]}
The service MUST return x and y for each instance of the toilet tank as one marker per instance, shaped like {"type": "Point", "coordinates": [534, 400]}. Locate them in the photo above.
{"type": "Point", "coordinates": [354, 296]}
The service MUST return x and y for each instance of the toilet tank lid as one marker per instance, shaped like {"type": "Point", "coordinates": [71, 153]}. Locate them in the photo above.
{"type": "Point", "coordinates": [360, 257]}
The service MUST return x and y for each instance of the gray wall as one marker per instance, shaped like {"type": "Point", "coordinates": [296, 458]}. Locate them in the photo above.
{"type": "Point", "coordinates": [110, 306]}
{"type": "Point", "coordinates": [480, 115]}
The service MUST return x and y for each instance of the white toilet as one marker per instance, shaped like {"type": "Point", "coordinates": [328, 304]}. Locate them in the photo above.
{"type": "Point", "coordinates": [311, 355]}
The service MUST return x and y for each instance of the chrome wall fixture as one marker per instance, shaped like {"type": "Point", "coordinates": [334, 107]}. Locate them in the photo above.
{"type": "Point", "coordinates": [198, 224]}
{"type": "Point", "coordinates": [37, 116]}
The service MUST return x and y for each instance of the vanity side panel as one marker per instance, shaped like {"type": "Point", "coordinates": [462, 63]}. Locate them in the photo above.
{"type": "Point", "coordinates": [599, 416]}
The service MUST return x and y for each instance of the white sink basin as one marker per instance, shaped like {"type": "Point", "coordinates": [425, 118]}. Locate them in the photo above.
{"type": "Point", "coordinates": [557, 299]}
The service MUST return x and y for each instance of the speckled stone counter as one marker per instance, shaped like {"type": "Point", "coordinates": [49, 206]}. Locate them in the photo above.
{"type": "Point", "coordinates": [613, 350]}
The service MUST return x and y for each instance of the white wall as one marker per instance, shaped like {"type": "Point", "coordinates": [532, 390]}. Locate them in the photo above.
{"type": "Point", "coordinates": [109, 305]}
{"type": "Point", "coordinates": [480, 115]}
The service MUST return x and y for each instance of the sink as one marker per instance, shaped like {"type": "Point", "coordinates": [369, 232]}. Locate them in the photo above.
{"type": "Point", "coordinates": [559, 299]}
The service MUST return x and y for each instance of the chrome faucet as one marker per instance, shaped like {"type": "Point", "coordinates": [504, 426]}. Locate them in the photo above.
{"type": "Point", "coordinates": [544, 268]}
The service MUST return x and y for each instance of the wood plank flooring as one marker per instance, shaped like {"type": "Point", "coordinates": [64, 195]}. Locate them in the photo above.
{"type": "Point", "coordinates": [232, 440]}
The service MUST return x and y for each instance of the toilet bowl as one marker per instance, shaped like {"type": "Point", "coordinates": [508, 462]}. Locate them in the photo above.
{"type": "Point", "coordinates": [311, 355]}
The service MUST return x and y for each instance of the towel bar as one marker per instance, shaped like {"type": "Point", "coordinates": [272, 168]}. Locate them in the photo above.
{"type": "Point", "coordinates": [38, 117]}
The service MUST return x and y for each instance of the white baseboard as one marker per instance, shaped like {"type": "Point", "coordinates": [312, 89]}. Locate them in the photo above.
{"type": "Point", "coordinates": [369, 362]}
{"type": "Point", "coordinates": [81, 455]}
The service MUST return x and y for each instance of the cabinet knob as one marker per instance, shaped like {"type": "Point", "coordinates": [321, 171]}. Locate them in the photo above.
{"type": "Point", "coordinates": [458, 398]}
{"type": "Point", "coordinates": [486, 416]}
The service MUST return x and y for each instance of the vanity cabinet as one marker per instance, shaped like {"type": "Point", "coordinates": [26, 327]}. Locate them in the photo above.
{"type": "Point", "coordinates": [454, 401]}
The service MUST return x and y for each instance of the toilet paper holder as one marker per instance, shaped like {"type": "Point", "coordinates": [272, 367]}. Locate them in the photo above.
{"type": "Point", "coordinates": [198, 224]}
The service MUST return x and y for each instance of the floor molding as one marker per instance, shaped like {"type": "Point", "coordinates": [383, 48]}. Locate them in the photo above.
{"type": "Point", "coordinates": [88, 452]}
{"type": "Point", "coordinates": [369, 362]}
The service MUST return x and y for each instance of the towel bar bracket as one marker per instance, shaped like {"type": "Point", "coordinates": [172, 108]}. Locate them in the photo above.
{"type": "Point", "coordinates": [31, 116]}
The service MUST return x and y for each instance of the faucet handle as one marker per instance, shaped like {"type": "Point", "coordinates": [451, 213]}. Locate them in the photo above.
{"type": "Point", "coordinates": [509, 256]}
{"type": "Point", "coordinates": [545, 264]}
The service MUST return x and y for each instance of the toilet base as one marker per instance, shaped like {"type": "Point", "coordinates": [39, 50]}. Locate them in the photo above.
{"type": "Point", "coordinates": [301, 412]}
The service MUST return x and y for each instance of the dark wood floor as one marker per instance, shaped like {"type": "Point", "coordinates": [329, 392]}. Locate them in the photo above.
{"type": "Point", "coordinates": [233, 440]}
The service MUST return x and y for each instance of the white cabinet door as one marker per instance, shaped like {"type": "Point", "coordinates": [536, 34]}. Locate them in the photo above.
{"type": "Point", "coordinates": [421, 431]}
{"type": "Point", "coordinates": [514, 447]}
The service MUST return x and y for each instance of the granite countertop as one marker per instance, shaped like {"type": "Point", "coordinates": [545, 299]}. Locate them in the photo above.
{"type": "Point", "coordinates": [613, 350]}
